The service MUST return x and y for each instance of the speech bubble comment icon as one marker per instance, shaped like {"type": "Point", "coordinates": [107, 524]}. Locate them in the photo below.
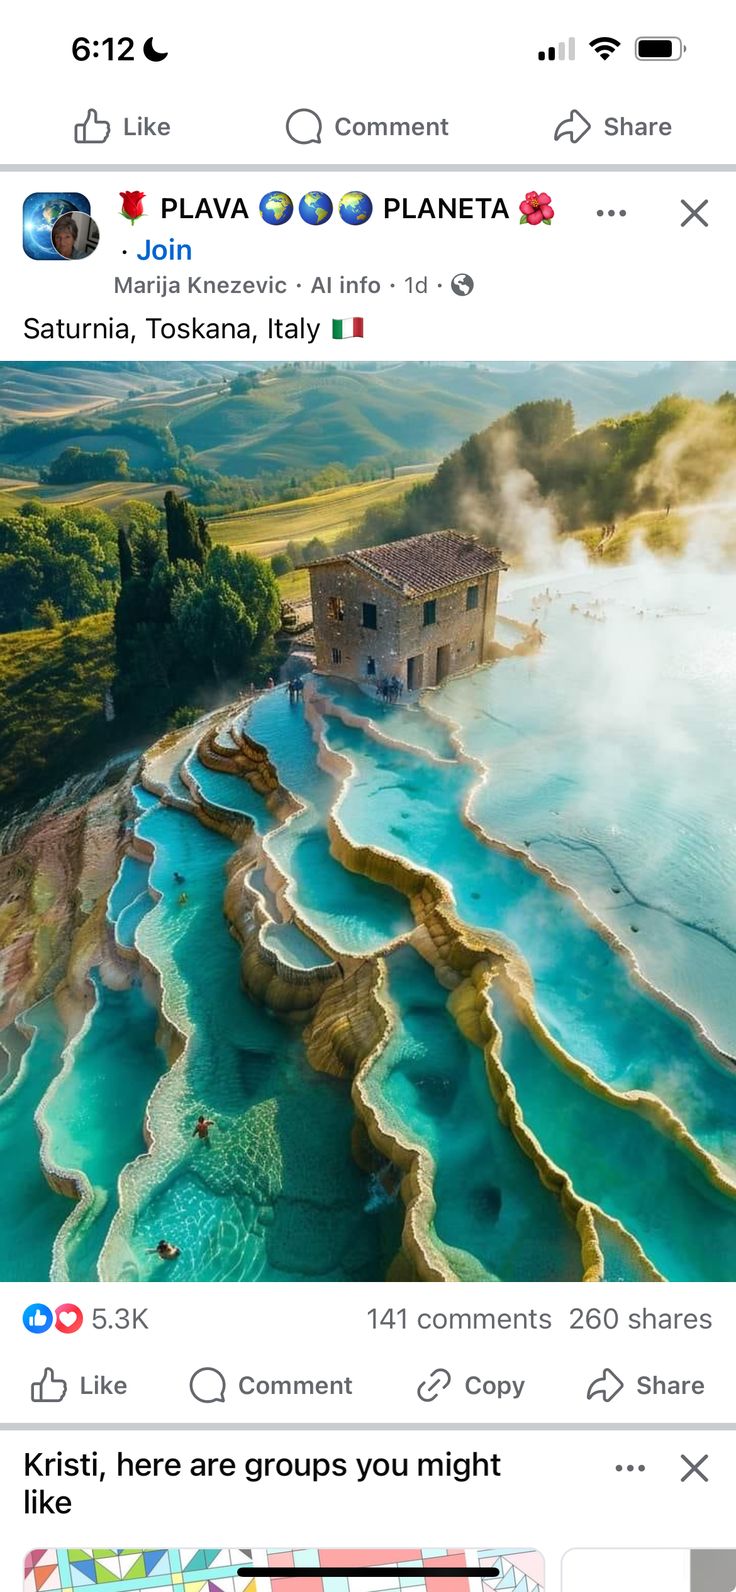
{"type": "Point", "coordinates": [304, 126]}
{"type": "Point", "coordinates": [207, 1385]}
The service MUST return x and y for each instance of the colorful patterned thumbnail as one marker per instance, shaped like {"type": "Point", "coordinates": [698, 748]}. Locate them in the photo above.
{"type": "Point", "coordinates": [285, 1569]}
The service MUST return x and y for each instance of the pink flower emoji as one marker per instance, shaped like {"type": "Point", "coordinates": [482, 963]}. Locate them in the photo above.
{"type": "Point", "coordinates": [535, 208]}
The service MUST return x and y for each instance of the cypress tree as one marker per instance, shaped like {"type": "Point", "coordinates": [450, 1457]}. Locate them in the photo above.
{"type": "Point", "coordinates": [182, 533]}
{"type": "Point", "coordinates": [204, 536]}
{"type": "Point", "coordinates": [125, 555]}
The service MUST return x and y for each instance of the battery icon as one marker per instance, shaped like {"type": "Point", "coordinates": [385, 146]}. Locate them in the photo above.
{"type": "Point", "coordinates": [659, 48]}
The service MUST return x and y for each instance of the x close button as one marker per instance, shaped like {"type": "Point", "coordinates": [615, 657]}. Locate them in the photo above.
{"type": "Point", "coordinates": [694, 213]}
{"type": "Point", "coordinates": [695, 1467]}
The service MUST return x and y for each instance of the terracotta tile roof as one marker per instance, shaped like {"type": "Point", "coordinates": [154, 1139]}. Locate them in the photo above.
{"type": "Point", "coordinates": [419, 565]}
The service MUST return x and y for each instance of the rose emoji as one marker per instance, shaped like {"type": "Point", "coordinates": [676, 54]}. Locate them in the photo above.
{"type": "Point", "coordinates": [132, 204]}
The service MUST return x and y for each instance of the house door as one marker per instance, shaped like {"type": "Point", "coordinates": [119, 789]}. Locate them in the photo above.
{"type": "Point", "coordinates": [415, 672]}
{"type": "Point", "coordinates": [443, 663]}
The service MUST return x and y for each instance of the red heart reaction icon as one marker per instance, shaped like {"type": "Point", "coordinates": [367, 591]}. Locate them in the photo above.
{"type": "Point", "coordinates": [69, 1318]}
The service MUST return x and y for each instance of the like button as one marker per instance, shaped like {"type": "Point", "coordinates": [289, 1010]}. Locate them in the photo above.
{"type": "Point", "coordinates": [50, 1390]}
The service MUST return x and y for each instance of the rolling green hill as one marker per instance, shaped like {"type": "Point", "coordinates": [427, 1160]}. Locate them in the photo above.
{"type": "Point", "coordinates": [265, 531]}
{"type": "Point", "coordinates": [52, 685]}
{"type": "Point", "coordinates": [58, 387]}
{"type": "Point", "coordinates": [107, 495]}
{"type": "Point", "coordinates": [303, 420]}
{"type": "Point", "coordinates": [299, 418]}
{"type": "Point", "coordinates": [143, 453]}
{"type": "Point", "coordinates": [598, 476]}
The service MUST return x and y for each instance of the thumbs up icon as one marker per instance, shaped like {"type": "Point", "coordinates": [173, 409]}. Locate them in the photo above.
{"type": "Point", "coordinates": [37, 1318]}
{"type": "Point", "coordinates": [50, 1390]}
{"type": "Point", "coordinates": [93, 130]}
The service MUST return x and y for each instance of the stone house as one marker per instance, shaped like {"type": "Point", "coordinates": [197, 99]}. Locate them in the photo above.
{"type": "Point", "coordinates": [416, 610]}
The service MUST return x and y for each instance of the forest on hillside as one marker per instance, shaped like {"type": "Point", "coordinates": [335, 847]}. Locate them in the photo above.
{"type": "Point", "coordinates": [666, 456]}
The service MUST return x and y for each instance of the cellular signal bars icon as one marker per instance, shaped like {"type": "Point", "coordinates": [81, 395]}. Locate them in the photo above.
{"type": "Point", "coordinates": [558, 52]}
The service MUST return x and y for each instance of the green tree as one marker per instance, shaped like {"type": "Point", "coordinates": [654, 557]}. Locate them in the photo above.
{"type": "Point", "coordinates": [214, 625]}
{"type": "Point", "coordinates": [48, 616]}
{"type": "Point", "coordinates": [148, 549]}
{"type": "Point", "coordinates": [139, 514]}
{"type": "Point", "coordinates": [183, 537]}
{"type": "Point", "coordinates": [75, 464]}
{"type": "Point", "coordinates": [125, 555]}
{"type": "Point", "coordinates": [20, 591]}
{"type": "Point", "coordinates": [254, 583]}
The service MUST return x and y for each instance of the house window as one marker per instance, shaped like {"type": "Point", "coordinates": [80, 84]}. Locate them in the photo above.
{"type": "Point", "coordinates": [370, 616]}
{"type": "Point", "coordinates": [430, 612]}
{"type": "Point", "coordinates": [371, 666]}
{"type": "Point", "coordinates": [471, 597]}
{"type": "Point", "coordinates": [336, 655]}
{"type": "Point", "coordinates": [336, 607]}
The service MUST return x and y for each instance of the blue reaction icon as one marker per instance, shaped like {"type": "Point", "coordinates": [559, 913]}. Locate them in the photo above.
{"type": "Point", "coordinates": [37, 1318]}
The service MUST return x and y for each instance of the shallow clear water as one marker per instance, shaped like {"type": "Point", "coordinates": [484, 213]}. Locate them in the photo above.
{"type": "Point", "coordinates": [31, 1211]}
{"type": "Point", "coordinates": [609, 759]}
{"type": "Point", "coordinates": [94, 1115]}
{"type": "Point", "coordinates": [231, 793]}
{"type": "Point", "coordinates": [294, 947]}
{"type": "Point", "coordinates": [583, 989]}
{"type": "Point", "coordinates": [430, 1085]}
{"type": "Point", "coordinates": [685, 1226]}
{"type": "Point", "coordinates": [131, 882]}
{"type": "Point", "coordinates": [612, 756]}
{"type": "Point", "coordinates": [398, 720]}
{"type": "Point", "coordinates": [129, 899]}
{"type": "Point", "coordinates": [354, 914]}
{"type": "Point", "coordinates": [275, 1193]}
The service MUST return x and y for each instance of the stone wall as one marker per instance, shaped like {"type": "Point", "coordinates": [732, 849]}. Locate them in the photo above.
{"type": "Point", "coordinates": [467, 632]}
{"type": "Point", "coordinates": [356, 645]}
{"type": "Point", "coordinates": [401, 632]}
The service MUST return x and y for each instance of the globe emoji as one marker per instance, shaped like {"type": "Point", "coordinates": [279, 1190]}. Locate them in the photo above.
{"type": "Point", "coordinates": [276, 208]}
{"type": "Point", "coordinates": [355, 208]}
{"type": "Point", "coordinates": [315, 208]}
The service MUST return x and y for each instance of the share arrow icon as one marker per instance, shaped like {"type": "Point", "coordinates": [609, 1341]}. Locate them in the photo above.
{"type": "Point", "coordinates": [574, 127]}
{"type": "Point", "coordinates": [606, 1386]}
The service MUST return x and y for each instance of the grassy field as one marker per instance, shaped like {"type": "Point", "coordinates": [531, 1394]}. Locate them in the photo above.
{"type": "Point", "coordinates": [267, 530]}
{"type": "Point", "coordinates": [52, 685]}
{"type": "Point", "coordinates": [107, 495]}
{"type": "Point", "coordinates": [659, 532]}
{"type": "Point", "coordinates": [294, 587]}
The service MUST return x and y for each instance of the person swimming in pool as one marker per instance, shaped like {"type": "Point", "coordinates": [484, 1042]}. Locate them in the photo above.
{"type": "Point", "coordinates": [165, 1250]}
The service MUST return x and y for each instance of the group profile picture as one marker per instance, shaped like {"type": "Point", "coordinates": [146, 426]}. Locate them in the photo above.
{"type": "Point", "coordinates": [59, 226]}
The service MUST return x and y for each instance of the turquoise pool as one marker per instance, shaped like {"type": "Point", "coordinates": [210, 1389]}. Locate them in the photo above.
{"type": "Point", "coordinates": [584, 990]}
{"type": "Point", "coordinates": [604, 758]}
{"type": "Point", "coordinates": [429, 1085]}
{"type": "Point", "coordinates": [275, 1193]}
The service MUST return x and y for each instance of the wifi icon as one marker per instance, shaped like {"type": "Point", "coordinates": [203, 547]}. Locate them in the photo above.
{"type": "Point", "coordinates": [604, 47]}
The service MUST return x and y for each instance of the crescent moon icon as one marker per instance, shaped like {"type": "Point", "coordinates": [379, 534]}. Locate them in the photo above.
{"type": "Point", "coordinates": [151, 53]}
